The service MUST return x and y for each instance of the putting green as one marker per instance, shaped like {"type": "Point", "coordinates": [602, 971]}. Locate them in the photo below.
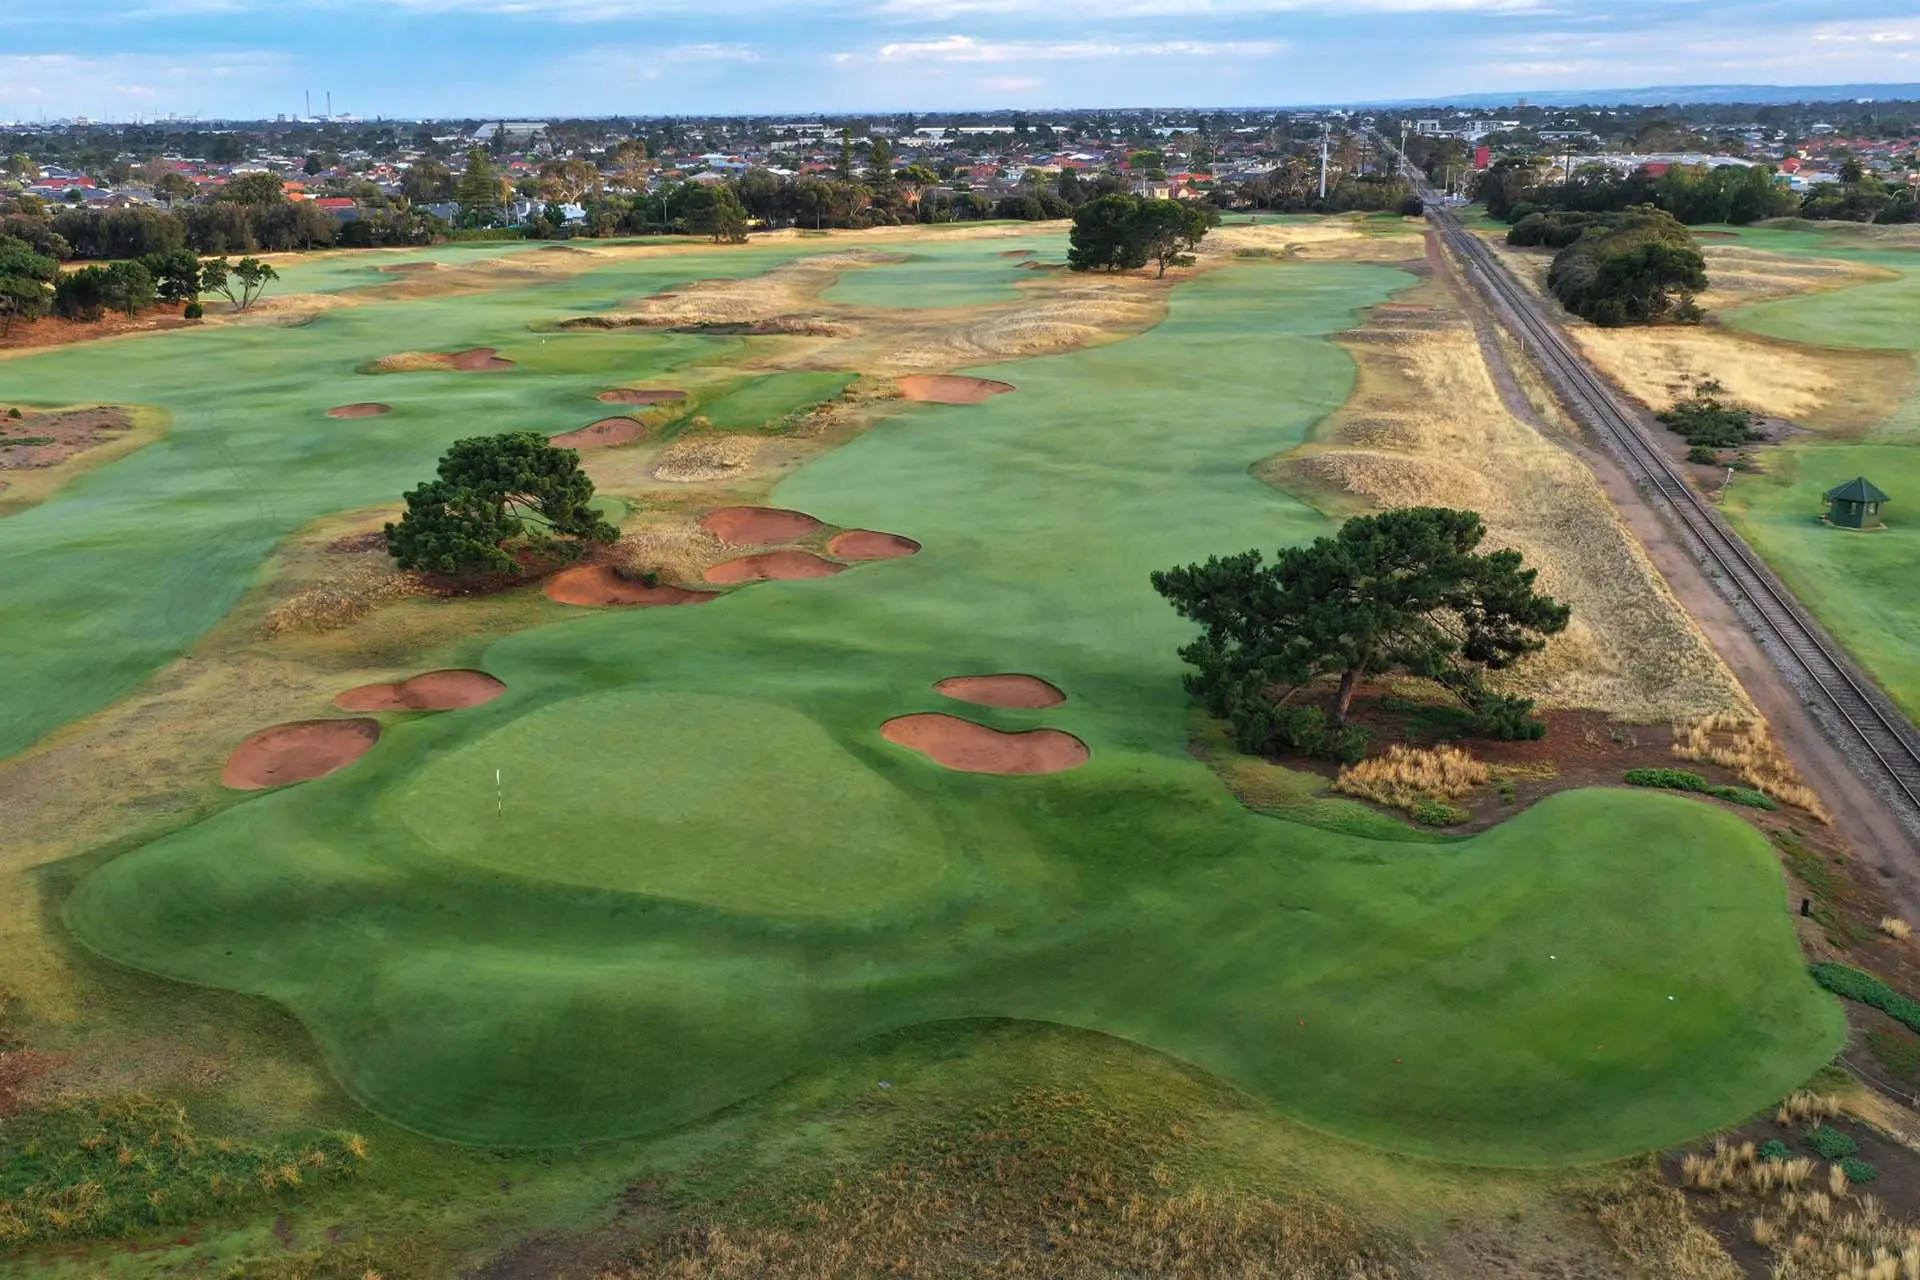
{"type": "Point", "coordinates": [765, 401]}
{"type": "Point", "coordinates": [1608, 972]}
{"type": "Point", "coordinates": [703, 814]}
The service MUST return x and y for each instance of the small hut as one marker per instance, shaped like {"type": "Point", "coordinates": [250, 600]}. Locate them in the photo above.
{"type": "Point", "coordinates": [1855, 504]}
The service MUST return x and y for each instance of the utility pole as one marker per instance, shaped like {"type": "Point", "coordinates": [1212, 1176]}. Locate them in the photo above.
{"type": "Point", "coordinates": [1323, 159]}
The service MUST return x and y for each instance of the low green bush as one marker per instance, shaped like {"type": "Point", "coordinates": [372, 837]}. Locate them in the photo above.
{"type": "Point", "coordinates": [1831, 1144]}
{"type": "Point", "coordinates": [1704, 422]}
{"type": "Point", "coordinates": [1858, 1170]}
{"type": "Point", "coordinates": [1703, 453]}
{"type": "Point", "coordinates": [1863, 988]}
{"type": "Point", "coordinates": [1681, 780]}
{"type": "Point", "coordinates": [1897, 1051]}
{"type": "Point", "coordinates": [1436, 813]}
{"type": "Point", "coordinates": [1775, 1150]}
{"type": "Point", "coordinates": [194, 311]}
{"type": "Point", "coordinates": [24, 441]}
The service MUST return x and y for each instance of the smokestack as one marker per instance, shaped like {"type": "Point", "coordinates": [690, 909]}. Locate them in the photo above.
{"type": "Point", "coordinates": [329, 104]}
{"type": "Point", "coordinates": [309, 111]}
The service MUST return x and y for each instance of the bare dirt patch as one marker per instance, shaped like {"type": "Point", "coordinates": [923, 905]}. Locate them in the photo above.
{"type": "Point", "coordinates": [298, 752]}
{"type": "Point", "coordinates": [35, 440]}
{"type": "Point", "coordinates": [598, 586]}
{"type": "Point", "coordinates": [365, 409]}
{"type": "Point", "coordinates": [476, 360]}
{"type": "Point", "coordinates": [967, 747]}
{"type": "Point", "coordinates": [870, 544]}
{"type": "Point", "coordinates": [950, 388]}
{"type": "Point", "coordinates": [1009, 690]}
{"type": "Point", "coordinates": [759, 526]}
{"type": "Point", "coordinates": [640, 395]}
{"type": "Point", "coordinates": [773, 566]}
{"type": "Point", "coordinates": [448, 690]}
{"type": "Point", "coordinates": [51, 331]}
{"type": "Point", "coordinates": [599, 435]}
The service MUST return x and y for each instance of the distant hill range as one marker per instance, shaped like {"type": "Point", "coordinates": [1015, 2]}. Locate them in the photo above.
{"type": "Point", "coordinates": [1661, 95]}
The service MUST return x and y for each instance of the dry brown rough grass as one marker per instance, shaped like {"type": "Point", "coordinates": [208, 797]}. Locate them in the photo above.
{"type": "Point", "coordinates": [1745, 745]}
{"type": "Point", "coordinates": [679, 554]}
{"type": "Point", "coordinates": [696, 458]}
{"type": "Point", "coordinates": [1405, 776]}
{"type": "Point", "coordinates": [1426, 426]}
{"type": "Point", "coordinates": [342, 597]}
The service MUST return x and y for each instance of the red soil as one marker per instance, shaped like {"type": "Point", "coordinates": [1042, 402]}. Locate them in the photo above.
{"type": "Point", "coordinates": [366, 409]}
{"type": "Point", "coordinates": [595, 585]}
{"type": "Point", "coordinates": [478, 360]}
{"type": "Point", "coordinates": [776, 566]}
{"type": "Point", "coordinates": [1014, 691]}
{"type": "Point", "coordinates": [759, 526]}
{"type": "Point", "coordinates": [974, 748]}
{"type": "Point", "coordinates": [297, 752]}
{"type": "Point", "coordinates": [949, 388]}
{"type": "Point", "coordinates": [429, 691]}
{"type": "Point", "coordinates": [639, 395]}
{"type": "Point", "coordinates": [598, 435]}
{"type": "Point", "coordinates": [866, 544]}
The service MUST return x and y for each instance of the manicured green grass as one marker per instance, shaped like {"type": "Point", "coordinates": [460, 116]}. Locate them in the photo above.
{"type": "Point", "coordinates": [1860, 584]}
{"type": "Point", "coordinates": [1605, 973]}
{"type": "Point", "coordinates": [764, 403]}
{"type": "Point", "coordinates": [131, 563]}
{"type": "Point", "coordinates": [961, 274]}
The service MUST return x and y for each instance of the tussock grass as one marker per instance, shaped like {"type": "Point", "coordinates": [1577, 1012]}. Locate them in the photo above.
{"type": "Point", "coordinates": [109, 1167]}
{"type": "Point", "coordinates": [1051, 1182]}
{"type": "Point", "coordinates": [1745, 745]}
{"type": "Point", "coordinates": [1406, 776]}
{"type": "Point", "coordinates": [1896, 928]}
{"type": "Point", "coordinates": [341, 598]}
{"type": "Point", "coordinates": [677, 555]}
{"type": "Point", "coordinates": [696, 458]}
{"type": "Point", "coordinates": [1426, 426]}
{"type": "Point", "coordinates": [1653, 1230]}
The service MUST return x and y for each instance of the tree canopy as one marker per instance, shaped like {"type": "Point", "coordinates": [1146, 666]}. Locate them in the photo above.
{"type": "Point", "coordinates": [1637, 267]}
{"type": "Point", "coordinates": [490, 491]}
{"type": "Point", "coordinates": [26, 282]}
{"type": "Point", "coordinates": [1119, 232]}
{"type": "Point", "coordinates": [1403, 592]}
{"type": "Point", "coordinates": [240, 283]}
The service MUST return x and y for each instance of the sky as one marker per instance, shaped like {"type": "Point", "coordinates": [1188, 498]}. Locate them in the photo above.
{"type": "Point", "coordinates": [122, 59]}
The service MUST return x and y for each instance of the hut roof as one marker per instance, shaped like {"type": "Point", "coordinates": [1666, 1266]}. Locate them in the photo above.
{"type": "Point", "coordinates": [1858, 489]}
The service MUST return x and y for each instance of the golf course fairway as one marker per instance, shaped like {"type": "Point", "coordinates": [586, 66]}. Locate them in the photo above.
{"type": "Point", "coordinates": [676, 862]}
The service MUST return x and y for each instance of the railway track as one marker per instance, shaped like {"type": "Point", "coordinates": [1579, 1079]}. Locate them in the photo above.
{"type": "Point", "coordinates": [1860, 712]}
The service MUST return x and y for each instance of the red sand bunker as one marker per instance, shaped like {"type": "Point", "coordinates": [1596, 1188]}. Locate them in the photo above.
{"type": "Point", "coordinates": [478, 360]}
{"type": "Point", "coordinates": [974, 748]}
{"type": "Point", "coordinates": [298, 752]}
{"type": "Point", "coordinates": [430, 691]}
{"type": "Point", "coordinates": [759, 526]}
{"type": "Point", "coordinates": [949, 388]}
{"type": "Point", "coordinates": [639, 395]}
{"type": "Point", "coordinates": [1019, 692]}
{"type": "Point", "coordinates": [598, 435]}
{"type": "Point", "coordinates": [774, 566]}
{"type": "Point", "coordinates": [597, 586]}
{"type": "Point", "coordinates": [368, 409]}
{"type": "Point", "coordinates": [866, 544]}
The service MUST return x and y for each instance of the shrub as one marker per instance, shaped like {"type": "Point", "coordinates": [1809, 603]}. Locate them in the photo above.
{"type": "Point", "coordinates": [1863, 988]}
{"type": "Point", "coordinates": [1831, 1144]}
{"type": "Point", "coordinates": [1704, 454]}
{"type": "Point", "coordinates": [1705, 423]}
{"type": "Point", "coordinates": [1437, 813]}
{"type": "Point", "coordinates": [1260, 728]}
{"type": "Point", "coordinates": [194, 311]}
{"type": "Point", "coordinates": [13, 413]}
{"type": "Point", "coordinates": [1671, 779]}
{"type": "Point", "coordinates": [1505, 718]}
{"type": "Point", "coordinates": [1858, 1170]}
{"type": "Point", "coordinates": [1745, 796]}
{"type": "Point", "coordinates": [1775, 1150]}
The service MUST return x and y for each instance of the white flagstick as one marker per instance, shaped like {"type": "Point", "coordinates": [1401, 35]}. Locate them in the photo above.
{"type": "Point", "coordinates": [499, 797]}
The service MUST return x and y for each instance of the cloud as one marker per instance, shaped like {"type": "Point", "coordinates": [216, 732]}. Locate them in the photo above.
{"type": "Point", "coordinates": [967, 49]}
{"type": "Point", "coordinates": [113, 84]}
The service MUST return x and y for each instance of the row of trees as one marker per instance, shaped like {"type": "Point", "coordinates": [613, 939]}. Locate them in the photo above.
{"type": "Point", "coordinates": [32, 284]}
{"type": "Point", "coordinates": [1637, 267]}
{"type": "Point", "coordinates": [1694, 194]}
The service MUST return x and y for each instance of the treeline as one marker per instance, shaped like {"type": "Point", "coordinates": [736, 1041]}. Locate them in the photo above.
{"type": "Point", "coordinates": [1639, 266]}
{"type": "Point", "coordinates": [211, 229]}
{"type": "Point", "coordinates": [32, 284]}
{"type": "Point", "coordinates": [1696, 195]}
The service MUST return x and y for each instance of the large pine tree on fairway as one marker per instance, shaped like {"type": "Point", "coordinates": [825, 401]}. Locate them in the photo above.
{"type": "Point", "coordinates": [1400, 592]}
{"type": "Point", "coordinates": [489, 489]}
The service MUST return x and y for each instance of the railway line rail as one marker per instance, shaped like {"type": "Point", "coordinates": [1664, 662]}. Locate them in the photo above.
{"type": "Point", "coordinates": [1862, 722]}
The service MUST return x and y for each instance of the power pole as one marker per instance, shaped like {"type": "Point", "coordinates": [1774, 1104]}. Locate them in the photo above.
{"type": "Point", "coordinates": [1323, 159]}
